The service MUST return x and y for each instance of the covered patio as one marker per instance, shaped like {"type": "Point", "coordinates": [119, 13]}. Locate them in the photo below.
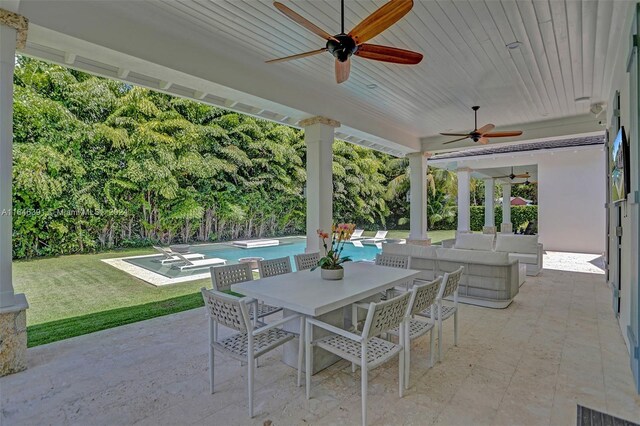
{"type": "Point", "coordinates": [556, 346]}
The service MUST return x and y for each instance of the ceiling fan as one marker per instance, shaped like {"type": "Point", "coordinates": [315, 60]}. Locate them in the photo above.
{"type": "Point", "coordinates": [512, 175]}
{"type": "Point", "coordinates": [342, 46]}
{"type": "Point", "coordinates": [482, 134]}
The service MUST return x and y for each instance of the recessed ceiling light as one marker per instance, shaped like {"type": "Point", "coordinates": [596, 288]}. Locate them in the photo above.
{"type": "Point", "coordinates": [583, 98]}
{"type": "Point", "coordinates": [372, 86]}
{"type": "Point", "coordinates": [514, 45]}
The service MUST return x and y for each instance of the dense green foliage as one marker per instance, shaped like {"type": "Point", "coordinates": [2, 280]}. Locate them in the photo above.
{"type": "Point", "coordinates": [99, 164]}
{"type": "Point", "coordinates": [520, 216]}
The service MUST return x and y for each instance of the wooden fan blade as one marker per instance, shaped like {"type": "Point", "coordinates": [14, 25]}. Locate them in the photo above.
{"type": "Point", "coordinates": [388, 54]}
{"type": "Point", "coordinates": [503, 134]}
{"type": "Point", "coordinates": [298, 56]}
{"type": "Point", "coordinates": [523, 175]}
{"type": "Point", "coordinates": [483, 140]}
{"type": "Point", "coordinates": [342, 70]}
{"type": "Point", "coordinates": [294, 16]}
{"type": "Point", "coordinates": [380, 20]}
{"type": "Point", "coordinates": [486, 129]}
{"type": "Point", "coordinates": [455, 140]}
{"type": "Point", "coordinates": [455, 134]}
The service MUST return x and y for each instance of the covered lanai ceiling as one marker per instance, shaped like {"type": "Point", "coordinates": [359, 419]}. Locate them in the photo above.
{"type": "Point", "coordinates": [215, 51]}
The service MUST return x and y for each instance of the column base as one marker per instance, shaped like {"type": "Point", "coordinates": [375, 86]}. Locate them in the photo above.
{"type": "Point", "coordinates": [420, 242]}
{"type": "Point", "coordinates": [489, 229]}
{"type": "Point", "coordinates": [13, 340]}
{"type": "Point", "coordinates": [506, 228]}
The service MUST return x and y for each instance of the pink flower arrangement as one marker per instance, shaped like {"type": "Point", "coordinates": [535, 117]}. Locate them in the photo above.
{"type": "Point", "coordinates": [340, 234]}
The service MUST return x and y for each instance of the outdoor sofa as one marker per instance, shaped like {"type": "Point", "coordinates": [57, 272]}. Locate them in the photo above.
{"type": "Point", "coordinates": [490, 279]}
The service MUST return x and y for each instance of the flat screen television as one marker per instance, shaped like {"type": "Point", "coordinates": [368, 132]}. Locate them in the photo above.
{"type": "Point", "coordinates": [619, 167]}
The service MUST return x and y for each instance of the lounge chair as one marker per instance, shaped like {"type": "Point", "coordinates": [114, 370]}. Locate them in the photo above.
{"type": "Point", "coordinates": [357, 234]}
{"type": "Point", "coordinates": [380, 236]}
{"type": "Point", "coordinates": [170, 256]}
{"type": "Point", "coordinates": [199, 264]}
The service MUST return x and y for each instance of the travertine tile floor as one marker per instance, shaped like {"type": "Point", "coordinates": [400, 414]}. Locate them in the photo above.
{"type": "Point", "coordinates": [557, 345]}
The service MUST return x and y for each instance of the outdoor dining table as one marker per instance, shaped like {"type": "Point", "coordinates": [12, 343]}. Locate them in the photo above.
{"type": "Point", "coordinates": [306, 293]}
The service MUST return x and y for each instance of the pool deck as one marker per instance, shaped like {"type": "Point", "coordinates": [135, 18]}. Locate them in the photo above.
{"type": "Point", "coordinates": [557, 345]}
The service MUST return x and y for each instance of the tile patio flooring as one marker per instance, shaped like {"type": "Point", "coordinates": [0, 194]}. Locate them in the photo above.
{"type": "Point", "coordinates": [557, 345]}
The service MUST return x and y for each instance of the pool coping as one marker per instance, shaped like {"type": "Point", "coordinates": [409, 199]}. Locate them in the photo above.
{"type": "Point", "coordinates": [146, 275]}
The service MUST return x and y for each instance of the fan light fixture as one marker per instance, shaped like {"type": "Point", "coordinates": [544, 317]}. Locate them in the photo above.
{"type": "Point", "coordinates": [344, 45]}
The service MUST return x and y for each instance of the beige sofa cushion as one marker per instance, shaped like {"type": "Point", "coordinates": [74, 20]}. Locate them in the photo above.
{"type": "Point", "coordinates": [531, 259]}
{"type": "Point", "coordinates": [517, 243]}
{"type": "Point", "coordinates": [409, 250]}
{"type": "Point", "coordinates": [472, 256]}
{"type": "Point", "coordinates": [474, 242]}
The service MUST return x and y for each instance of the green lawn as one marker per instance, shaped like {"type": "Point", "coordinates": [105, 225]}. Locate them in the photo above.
{"type": "Point", "coordinates": [79, 294]}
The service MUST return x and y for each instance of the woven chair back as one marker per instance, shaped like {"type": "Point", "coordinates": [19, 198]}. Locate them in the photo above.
{"type": "Point", "coordinates": [227, 310]}
{"type": "Point", "coordinates": [306, 261]}
{"type": "Point", "coordinates": [272, 267]}
{"type": "Point", "coordinates": [424, 295]}
{"type": "Point", "coordinates": [223, 276]}
{"type": "Point", "coordinates": [385, 316]}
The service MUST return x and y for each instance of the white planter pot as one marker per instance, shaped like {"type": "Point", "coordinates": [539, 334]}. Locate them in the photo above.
{"type": "Point", "coordinates": [332, 274]}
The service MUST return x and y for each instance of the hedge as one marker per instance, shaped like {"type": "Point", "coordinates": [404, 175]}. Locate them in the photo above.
{"type": "Point", "coordinates": [520, 215]}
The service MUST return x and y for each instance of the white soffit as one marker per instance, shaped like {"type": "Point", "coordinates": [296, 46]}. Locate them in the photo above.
{"type": "Point", "coordinates": [215, 51]}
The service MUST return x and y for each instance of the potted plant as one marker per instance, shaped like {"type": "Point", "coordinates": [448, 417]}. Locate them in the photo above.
{"type": "Point", "coordinates": [331, 263]}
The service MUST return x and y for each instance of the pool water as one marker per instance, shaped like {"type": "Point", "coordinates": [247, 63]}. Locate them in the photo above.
{"type": "Point", "coordinates": [287, 247]}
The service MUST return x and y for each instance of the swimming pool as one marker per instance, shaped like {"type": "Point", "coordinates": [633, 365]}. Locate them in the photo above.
{"type": "Point", "coordinates": [288, 247]}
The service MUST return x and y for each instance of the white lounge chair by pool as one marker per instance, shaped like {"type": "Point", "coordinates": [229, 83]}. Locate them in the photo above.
{"type": "Point", "coordinates": [380, 236]}
{"type": "Point", "coordinates": [256, 243]}
{"type": "Point", "coordinates": [357, 234]}
{"type": "Point", "coordinates": [199, 264]}
{"type": "Point", "coordinates": [170, 256]}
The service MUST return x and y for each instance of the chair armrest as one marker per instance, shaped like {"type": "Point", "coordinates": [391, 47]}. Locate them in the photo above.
{"type": "Point", "coordinates": [335, 330]}
{"type": "Point", "coordinates": [274, 324]}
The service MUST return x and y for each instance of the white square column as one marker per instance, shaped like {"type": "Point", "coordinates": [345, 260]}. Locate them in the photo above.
{"type": "Point", "coordinates": [506, 226]}
{"type": "Point", "coordinates": [464, 200]}
{"type": "Point", "coordinates": [418, 198]}
{"type": "Point", "coordinates": [489, 209]}
{"type": "Point", "coordinates": [13, 342]}
{"type": "Point", "coordinates": [318, 137]}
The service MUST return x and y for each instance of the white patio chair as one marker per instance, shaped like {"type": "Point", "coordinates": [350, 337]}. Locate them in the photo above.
{"type": "Point", "coordinates": [279, 266]}
{"type": "Point", "coordinates": [357, 234]}
{"type": "Point", "coordinates": [272, 267]}
{"type": "Point", "coordinates": [382, 259]}
{"type": "Point", "coordinates": [249, 343]}
{"type": "Point", "coordinates": [222, 277]}
{"type": "Point", "coordinates": [199, 264]}
{"type": "Point", "coordinates": [306, 261]}
{"type": "Point", "coordinates": [448, 288]}
{"type": "Point", "coordinates": [170, 256]}
{"type": "Point", "coordinates": [365, 350]}
{"type": "Point", "coordinates": [423, 296]}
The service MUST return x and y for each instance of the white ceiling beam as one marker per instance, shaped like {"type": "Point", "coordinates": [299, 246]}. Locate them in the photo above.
{"type": "Point", "coordinates": [69, 58]}
{"type": "Point", "coordinates": [199, 94]}
{"type": "Point", "coordinates": [230, 103]}
{"type": "Point", "coordinates": [123, 73]}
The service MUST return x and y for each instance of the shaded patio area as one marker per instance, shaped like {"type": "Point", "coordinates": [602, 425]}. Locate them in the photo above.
{"type": "Point", "coordinates": [556, 346]}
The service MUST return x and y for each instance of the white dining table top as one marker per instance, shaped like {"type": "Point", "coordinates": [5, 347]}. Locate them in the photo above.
{"type": "Point", "coordinates": [307, 293]}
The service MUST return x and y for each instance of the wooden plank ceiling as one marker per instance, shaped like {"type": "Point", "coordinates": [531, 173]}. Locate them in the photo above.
{"type": "Point", "coordinates": [566, 54]}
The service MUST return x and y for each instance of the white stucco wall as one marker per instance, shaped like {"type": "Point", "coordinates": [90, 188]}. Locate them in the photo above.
{"type": "Point", "coordinates": [571, 200]}
{"type": "Point", "coordinates": [571, 193]}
